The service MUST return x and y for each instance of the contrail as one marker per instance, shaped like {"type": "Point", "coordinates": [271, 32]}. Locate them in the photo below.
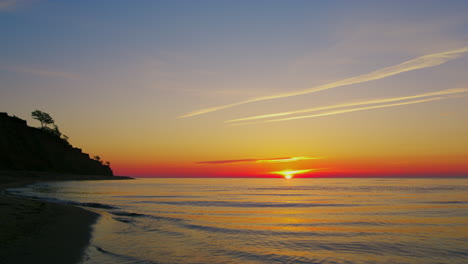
{"type": "Point", "coordinates": [359, 109]}
{"type": "Point", "coordinates": [375, 101]}
{"type": "Point", "coordinates": [422, 62]}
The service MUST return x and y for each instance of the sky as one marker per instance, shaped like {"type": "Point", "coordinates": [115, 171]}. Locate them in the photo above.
{"type": "Point", "coordinates": [246, 88]}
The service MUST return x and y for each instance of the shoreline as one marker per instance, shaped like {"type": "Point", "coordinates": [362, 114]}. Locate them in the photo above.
{"type": "Point", "coordinates": [34, 231]}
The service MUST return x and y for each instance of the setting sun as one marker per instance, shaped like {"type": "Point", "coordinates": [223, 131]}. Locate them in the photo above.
{"type": "Point", "coordinates": [289, 174]}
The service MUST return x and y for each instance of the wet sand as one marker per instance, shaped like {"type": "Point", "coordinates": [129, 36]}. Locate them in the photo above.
{"type": "Point", "coordinates": [37, 232]}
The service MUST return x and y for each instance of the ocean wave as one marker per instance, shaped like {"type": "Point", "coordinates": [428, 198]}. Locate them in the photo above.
{"type": "Point", "coordinates": [131, 214]}
{"type": "Point", "coordinates": [55, 200]}
{"type": "Point", "coordinates": [274, 258]}
{"type": "Point", "coordinates": [154, 217]}
{"type": "Point", "coordinates": [248, 204]}
{"type": "Point", "coordinates": [94, 205]}
{"type": "Point", "coordinates": [361, 223]}
{"type": "Point", "coordinates": [119, 258]}
{"type": "Point", "coordinates": [124, 220]}
{"type": "Point", "coordinates": [156, 196]}
{"type": "Point", "coordinates": [279, 194]}
{"type": "Point", "coordinates": [257, 232]}
{"type": "Point", "coordinates": [448, 202]}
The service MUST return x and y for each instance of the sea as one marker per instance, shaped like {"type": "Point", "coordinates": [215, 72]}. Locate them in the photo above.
{"type": "Point", "coordinates": [315, 220]}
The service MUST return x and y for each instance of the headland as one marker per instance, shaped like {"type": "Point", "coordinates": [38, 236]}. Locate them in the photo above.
{"type": "Point", "coordinates": [33, 231]}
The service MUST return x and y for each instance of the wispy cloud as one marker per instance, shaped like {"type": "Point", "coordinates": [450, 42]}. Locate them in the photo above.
{"type": "Point", "coordinates": [226, 161]}
{"type": "Point", "coordinates": [289, 159]}
{"type": "Point", "coordinates": [422, 62]}
{"type": "Point", "coordinates": [270, 160]}
{"type": "Point", "coordinates": [7, 5]}
{"type": "Point", "coordinates": [359, 109]}
{"type": "Point", "coordinates": [374, 101]}
{"type": "Point", "coordinates": [45, 72]}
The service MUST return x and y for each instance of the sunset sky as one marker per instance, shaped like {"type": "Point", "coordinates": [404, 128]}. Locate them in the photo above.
{"type": "Point", "coordinates": [246, 88]}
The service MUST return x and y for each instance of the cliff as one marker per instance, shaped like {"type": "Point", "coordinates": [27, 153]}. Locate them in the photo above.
{"type": "Point", "coordinates": [24, 148]}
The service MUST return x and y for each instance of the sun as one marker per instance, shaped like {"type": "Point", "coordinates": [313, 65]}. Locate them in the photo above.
{"type": "Point", "coordinates": [289, 174]}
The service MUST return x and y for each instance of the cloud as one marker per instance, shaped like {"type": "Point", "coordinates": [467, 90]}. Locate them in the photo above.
{"type": "Point", "coordinates": [7, 4]}
{"type": "Point", "coordinates": [359, 109]}
{"type": "Point", "coordinates": [271, 160]}
{"type": "Point", "coordinates": [374, 101]}
{"type": "Point", "coordinates": [226, 161]}
{"type": "Point", "coordinates": [422, 62]}
{"type": "Point", "coordinates": [348, 110]}
{"type": "Point", "coordinates": [289, 159]}
{"type": "Point", "coordinates": [45, 72]}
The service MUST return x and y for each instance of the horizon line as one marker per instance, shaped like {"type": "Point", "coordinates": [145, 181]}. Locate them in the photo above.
{"type": "Point", "coordinates": [296, 177]}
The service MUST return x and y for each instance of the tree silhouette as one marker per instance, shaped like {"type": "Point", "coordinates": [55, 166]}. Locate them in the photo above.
{"type": "Point", "coordinates": [97, 158]}
{"type": "Point", "coordinates": [54, 130]}
{"type": "Point", "coordinates": [42, 117]}
{"type": "Point", "coordinates": [47, 120]}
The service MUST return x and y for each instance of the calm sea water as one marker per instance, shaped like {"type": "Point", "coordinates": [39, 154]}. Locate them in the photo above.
{"type": "Point", "coordinates": [272, 220]}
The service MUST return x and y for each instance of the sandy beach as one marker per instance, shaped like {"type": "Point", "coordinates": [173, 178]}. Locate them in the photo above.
{"type": "Point", "coordinates": [37, 232]}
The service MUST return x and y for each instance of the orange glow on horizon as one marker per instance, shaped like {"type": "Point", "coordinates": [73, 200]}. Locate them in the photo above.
{"type": "Point", "coordinates": [289, 174]}
{"type": "Point", "coordinates": [384, 166]}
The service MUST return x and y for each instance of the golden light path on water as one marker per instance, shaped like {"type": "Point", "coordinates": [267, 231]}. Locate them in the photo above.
{"type": "Point", "coordinates": [289, 174]}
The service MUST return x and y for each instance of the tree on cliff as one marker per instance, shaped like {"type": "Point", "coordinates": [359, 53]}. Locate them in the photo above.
{"type": "Point", "coordinates": [47, 120]}
{"type": "Point", "coordinates": [42, 117]}
{"type": "Point", "coordinates": [54, 130]}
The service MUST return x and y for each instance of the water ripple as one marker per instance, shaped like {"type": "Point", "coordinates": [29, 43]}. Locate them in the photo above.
{"type": "Point", "coordinates": [248, 204]}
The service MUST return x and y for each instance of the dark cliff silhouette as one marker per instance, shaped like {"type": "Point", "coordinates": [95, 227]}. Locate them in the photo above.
{"type": "Point", "coordinates": [24, 148]}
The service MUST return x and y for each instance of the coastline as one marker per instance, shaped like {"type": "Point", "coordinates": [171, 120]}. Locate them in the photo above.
{"type": "Point", "coordinates": [33, 231]}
